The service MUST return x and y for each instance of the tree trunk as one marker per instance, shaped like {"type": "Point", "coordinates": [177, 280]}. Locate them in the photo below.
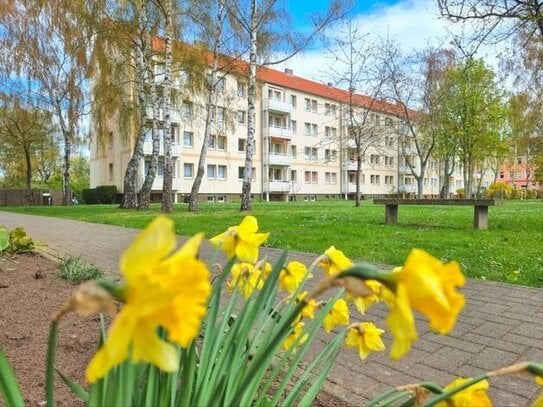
{"type": "Point", "coordinates": [129, 185]}
{"type": "Point", "coordinates": [28, 170]}
{"type": "Point", "coordinates": [193, 200]}
{"type": "Point", "coordinates": [144, 194]}
{"type": "Point", "coordinates": [168, 179]}
{"type": "Point", "coordinates": [246, 204]}
{"type": "Point", "coordinates": [358, 172]}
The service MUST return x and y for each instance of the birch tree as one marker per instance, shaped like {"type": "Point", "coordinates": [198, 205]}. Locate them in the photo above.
{"type": "Point", "coordinates": [45, 44]}
{"type": "Point", "coordinates": [260, 27]}
{"type": "Point", "coordinates": [361, 74]}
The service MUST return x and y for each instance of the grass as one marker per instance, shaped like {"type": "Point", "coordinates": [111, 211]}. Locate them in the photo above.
{"type": "Point", "coordinates": [74, 270]}
{"type": "Point", "coordinates": [509, 251]}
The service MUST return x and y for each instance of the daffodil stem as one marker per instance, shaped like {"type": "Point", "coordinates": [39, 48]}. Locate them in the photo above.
{"type": "Point", "coordinates": [367, 272]}
{"type": "Point", "coordinates": [447, 394]}
{"type": "Point", "coordinates": [50, 367]}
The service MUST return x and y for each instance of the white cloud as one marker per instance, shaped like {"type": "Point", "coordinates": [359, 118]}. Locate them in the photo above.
{"type": "Point", "coordinates": [412, 24]}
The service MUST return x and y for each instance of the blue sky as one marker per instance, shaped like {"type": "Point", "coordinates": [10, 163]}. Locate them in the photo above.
{"type": "Point", "coordinates": [412, 24]}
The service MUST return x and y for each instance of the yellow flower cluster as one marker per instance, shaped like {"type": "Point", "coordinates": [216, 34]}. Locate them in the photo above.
{"type": "Point", "coordinates": [163, 289]}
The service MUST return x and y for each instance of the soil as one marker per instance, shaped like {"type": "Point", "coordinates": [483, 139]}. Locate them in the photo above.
{"type": "Point", "coordinates": [31, 291]}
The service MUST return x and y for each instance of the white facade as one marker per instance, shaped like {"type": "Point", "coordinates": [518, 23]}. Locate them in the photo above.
{"type": "Point", "coordinates": [302, 148]}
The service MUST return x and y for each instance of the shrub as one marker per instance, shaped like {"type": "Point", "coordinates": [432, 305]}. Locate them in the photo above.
{"type": "Point", "coordinates": [499, 190]}
{"type": "Point", "coordinates": [515, 193]}
{"type": "Point", "coordinates": [106, 194]}
{"type": "Point", "coordinates": [89, 196]}
{"type": "Point", "coordinates": [531, 194]}
{"type": "Point", "coordinates": [461, 193]}
{"type": "Point", "coordinates": [74, 270]}
{"type": "Point", "coordinates": [16, 241]}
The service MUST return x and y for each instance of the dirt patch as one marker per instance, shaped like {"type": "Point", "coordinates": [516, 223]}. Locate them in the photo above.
{"type": "Point", "coordinates": [30, 292]}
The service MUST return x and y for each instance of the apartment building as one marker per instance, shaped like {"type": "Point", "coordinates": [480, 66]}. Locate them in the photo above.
{"type": "Point", "coordinates": [303, 144]}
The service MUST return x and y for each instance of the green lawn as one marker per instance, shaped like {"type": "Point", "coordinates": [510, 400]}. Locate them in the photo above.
{"type": "Point", "coordinates": [511, 250]}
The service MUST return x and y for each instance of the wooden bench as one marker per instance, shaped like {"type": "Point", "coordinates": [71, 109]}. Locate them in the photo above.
{"type": "Point", "coordinates": [480, 215]}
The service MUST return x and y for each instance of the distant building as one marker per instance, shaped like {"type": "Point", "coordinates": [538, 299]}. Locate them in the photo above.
{"type": "Point", "coordinates": [303, 150]}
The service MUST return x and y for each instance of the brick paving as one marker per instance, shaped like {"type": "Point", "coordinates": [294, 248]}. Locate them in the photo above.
{"type": "Point", "coordinates": [501, 324]}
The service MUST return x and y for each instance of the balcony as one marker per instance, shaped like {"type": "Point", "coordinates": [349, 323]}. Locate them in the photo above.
{"type": "Point", "coordinates": [278, 132]}
{"type": "Point", "coordinates": [157, 183]}
{"type": "Point", "coordinates": [277, 106]}
{"type": "Point", "coordinates": [148, 148]}
{"type": "Point", "coordinates": [279, 159]}
{"type": "Point", "coordinates": [408, 188]}
{"type": "Point", "coordinates": [352, 188]}
{"type": "Point", "coordinates": [351, 165]}
{"type": "Point", "coordinates": [279, 186]}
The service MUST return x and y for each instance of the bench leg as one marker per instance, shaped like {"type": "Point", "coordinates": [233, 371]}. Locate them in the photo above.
{"type": "Point", "coordinates": [480, 217]}
{"type": "Point", "coordinates": [391, 214]}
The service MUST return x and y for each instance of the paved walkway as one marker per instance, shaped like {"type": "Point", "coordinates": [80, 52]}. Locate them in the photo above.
{"type": "Point", "coordinates": [501, 324]}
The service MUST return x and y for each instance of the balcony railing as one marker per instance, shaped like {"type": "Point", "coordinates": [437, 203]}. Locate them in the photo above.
{"type": "Point", "coordinates": [148, 148]}
{"type": "Point", "coordinates": [408, 188]}
{"type": "Point", "coordinates": [352, 187]}
{"type": "Point", "coordinates": [351, 165]}
{"type": "Point", "coordinates": [157, 183]}
{"type": "Point", "coordinates": [278, 132]}
{"type": "Point", "coordinates": [277, 106]}
{"type": "Point", "coordinates": [279, 186]}
{"type": "Point", "coordinates": [279, 159]}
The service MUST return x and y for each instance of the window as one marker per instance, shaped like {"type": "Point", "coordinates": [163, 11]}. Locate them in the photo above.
{"type": "Point", "coordinates": [311, 153]}
{"type": "Point", "coordinates": [241, 173]}
{"type": "Point", "coordinates": [275, 174]}
{"type": "Point", "coordinates": [310, 129]}
{"type": "Point", "coordinates": [110, 171]}
{"type": "Point", "coordinates": [221, 143]}
{"type": "Point", "coordinates": [293, 126]}
{"type": "Point", "coordinates": [186, 109]}
{"type": "Point", "coordinates": [218, 114]}
{"type": "Point", "coordinates": [211, 171]}
{"type": "Point", "coordinates": [329, 109]}
{"type": "Point", "coordinates": [330, 155]}
{"type": "Point", "coordinates": [389, 122]}
{"type": "Point", "coordinates": [293, 101]}
{"type": "Point", "coordinates": [241, 117]}
{"type": "Point", "coordinates": [188, 139]}
{"type": "Point", "coordinates": [307, 177]}
{"type": "Point", "coordinates": [221, 172]}
{"type": "Point", "coordinates": [293, 175]}
{"type": "Point", "coordinates": [330, 132]}
{"type": "Point", "coordinates": [188, 170]}
{"type": "Point", "coordinates": [212, 142]}
{"type": "Point", "coordinates": [314, 177]}
{"type": "Point", "coordinates": [434, 182]}
{"type": "Point", "coordinates": [389, 141]}
{"type": "Point", "coordinates": [375, 179]}
{"type": "Point", "coordinates": [241, 145]}
{"type": "Point", "coordinates": [330, 178]}
{"type": "Point", "coordinates": [275, 94]}
{"type": "Point", "coordinates": [148, 134]}
{"type": "Point", "coordinates": [293, 151]}
{"type": "Point", "coordinates": [220, 86]}
{"type": "Point", "coordinates": [389, 179]}
{"type": "Point", "coordinates": [242, 89]}
{"type": "Point", "coordinates": [374, 159]}
{"type": "Point", "coordinates": [389, 160]}
{"type": "Point", "coordinates": [311, 105]}
{"type": "Point", "coordinates": [501, 174]}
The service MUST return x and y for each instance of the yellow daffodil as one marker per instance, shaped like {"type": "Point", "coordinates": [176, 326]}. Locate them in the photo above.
{"type": "Point", "coordinates": [427, 285]}
{"type": "Point", "coordinates": [241, 241]}
{"type": "Point", "coordinates": [294, 335]}
{"type": "Point", "coordinates": [366, 337]}
{"type": "Point", "coordinates": [333, 261]}
{"type": "Point", "coordinates": [364, 303]}
{"type": "Point", "coordinates": [163, 289]}
{"type": "Point", "coordinates": [539, 401]}
{"type": "Point", "coordinates": [266, 270]}
{"type": "Point", "coordinates": [308, 311]}
{"type": "Point", "coordinates": [245, 278]}
{"type": "Point", "coordinates": [475, 395]}
{"type": "Point", "coordinates": [338, 315]}
{"type": "Point", "coordinates": [291, 276]}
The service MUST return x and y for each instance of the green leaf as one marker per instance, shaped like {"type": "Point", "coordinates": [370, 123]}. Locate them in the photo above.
{"type": "Point", "coordinates": [74, 387]}
{"type": "Point", "coordinates": [4, 239]}
{"type": "Point", "coordinates": [9, 388]}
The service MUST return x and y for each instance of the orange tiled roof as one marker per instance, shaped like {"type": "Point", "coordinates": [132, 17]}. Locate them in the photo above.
{"type": "Point", "coordinates": [290, 81]}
